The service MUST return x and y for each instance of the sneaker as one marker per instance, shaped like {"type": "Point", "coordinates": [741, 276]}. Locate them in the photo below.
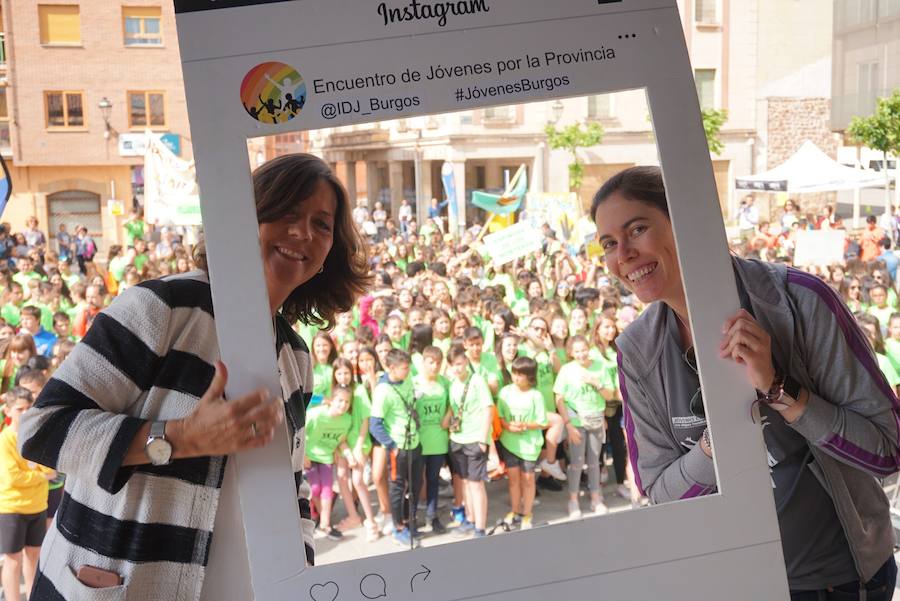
{"type": "Point", "coordinates": [511, 519]}
{"type": "Point", "coordinates": [388, 525]}
{"type": "Point", "coordinates": [333, 533]}
{"type": "Point", "coordinates": [574, 510]}
{"type": "Point", "coordinates": [437, 527]}
{"type": "Point", "coordinates": [465, 528]}
{"type": "Point", "coordinates": [479, 533]}
{"type": "Point", "coordinates": [402, 538]}
{"type": "Point", "coordinates": [379, 519]}
{"type": "Point", "coordinates": [553, 469]}
{"type": "Point", "coordinates": [457, 515]}
{"type": "Point", "coordinates": [600, 508]}
{"type": "Point", "coordinates": [526, 522]}
{"type": "Point", "coordinates": [624, 491]}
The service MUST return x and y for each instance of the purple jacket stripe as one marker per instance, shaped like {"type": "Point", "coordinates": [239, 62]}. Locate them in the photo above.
{"type": "Point", "coordinates": [876, 463]}
{"type": "Point", "coordinates": [629, 428]}
{"type": "Point", "coordinates": [859, 346]}
{"type": "Point", "coordinates": [697, 490]}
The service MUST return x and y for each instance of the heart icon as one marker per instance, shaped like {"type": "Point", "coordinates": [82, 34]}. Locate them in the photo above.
{"type": "Point", "coordinates": [324, 592]}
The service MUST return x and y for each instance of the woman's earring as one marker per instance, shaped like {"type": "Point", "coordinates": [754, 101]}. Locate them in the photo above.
{"type": "Point", "coordinates": [321, 269]}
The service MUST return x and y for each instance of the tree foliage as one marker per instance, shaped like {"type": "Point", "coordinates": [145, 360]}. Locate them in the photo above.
{"type": "Point", "coordinates": [571, 138]}
{"type": "Point", "coordinates": [881, 130]}
{"type": "Point", "coordinates": [713, 120]}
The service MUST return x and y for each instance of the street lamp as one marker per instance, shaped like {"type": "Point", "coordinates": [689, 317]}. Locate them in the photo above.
{"type": "Point", "coordinates": [105, 107]}
{"type": "Point", "coordinates": [557, 109]}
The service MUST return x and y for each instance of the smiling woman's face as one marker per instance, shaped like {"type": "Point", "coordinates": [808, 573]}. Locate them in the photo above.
{"type": "Point", "coordinates": [294, 247]}
{"type": "Point", "coordinates": [639, 247]}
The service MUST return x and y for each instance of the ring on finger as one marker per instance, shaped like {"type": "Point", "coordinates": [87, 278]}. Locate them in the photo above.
{"type": "Point", "coordinates": [254, 429]}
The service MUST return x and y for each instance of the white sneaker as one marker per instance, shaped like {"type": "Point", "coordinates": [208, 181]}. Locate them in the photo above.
{"type": "Point", "coordinates": [388, 527]}
{"type": "Point", "coordinates": [553, 469]}
{"type": "Point", "coordinates": [623, 491]}
{"type": "Point", "coordinates": [574, 510]}
{"type": "Point", "coordinates": [379, 519]}
{"type": "Point", "coordinates": [600, 508]}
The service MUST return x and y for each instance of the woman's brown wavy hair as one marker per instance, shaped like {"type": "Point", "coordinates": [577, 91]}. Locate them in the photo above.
{"type": "Point", "coordinates": [278, 186]}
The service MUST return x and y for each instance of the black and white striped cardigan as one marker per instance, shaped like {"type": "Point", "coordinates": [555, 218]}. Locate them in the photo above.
{"type": "Point", "coordinates": [148, 356]}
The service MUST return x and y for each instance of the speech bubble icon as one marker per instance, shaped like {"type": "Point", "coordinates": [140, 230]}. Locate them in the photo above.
{"type": "Point", "coordinates": [373, 586]}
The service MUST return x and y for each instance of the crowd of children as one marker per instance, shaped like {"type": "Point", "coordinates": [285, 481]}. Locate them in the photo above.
{"type": "Point", "coordinates": [453, 371]}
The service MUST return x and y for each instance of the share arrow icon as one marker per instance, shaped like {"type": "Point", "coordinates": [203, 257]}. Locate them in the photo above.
{"type": "Point", "coordinates": [425, 573]}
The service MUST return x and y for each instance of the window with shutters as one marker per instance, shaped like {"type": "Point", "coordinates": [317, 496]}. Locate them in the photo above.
{"type": "Point", "coordinates": [64, 110]}
{"type": "Point", "coordinates": [60, 24]}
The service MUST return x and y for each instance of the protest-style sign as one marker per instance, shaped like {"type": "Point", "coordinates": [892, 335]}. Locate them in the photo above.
{"type": "Point", "coordinates": [265, 67]}
{"type": "Point", "coordinates": [819, 247]}
{"type": "Point", "coordinates": [510, 243]}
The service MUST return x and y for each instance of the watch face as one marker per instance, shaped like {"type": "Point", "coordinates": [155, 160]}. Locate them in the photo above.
{"type": "Point", "coordinates": [159, 450]}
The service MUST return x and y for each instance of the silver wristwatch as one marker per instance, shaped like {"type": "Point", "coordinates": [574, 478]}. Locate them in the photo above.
{"type": "Point", "coordinates": [158, 449]}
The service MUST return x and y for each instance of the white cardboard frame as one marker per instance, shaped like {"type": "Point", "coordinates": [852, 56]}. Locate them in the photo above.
{"type": "Point", "coordinates": [727, 544]}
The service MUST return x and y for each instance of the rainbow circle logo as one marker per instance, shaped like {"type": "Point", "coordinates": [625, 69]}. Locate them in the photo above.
{"type": "Point", "coordinates": [273, 93]}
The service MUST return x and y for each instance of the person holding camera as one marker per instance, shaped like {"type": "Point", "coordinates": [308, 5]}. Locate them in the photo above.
{"type": "Point", "coordinates": [469, 420]}
{"type": "Point", "coordinates": [394, 423]}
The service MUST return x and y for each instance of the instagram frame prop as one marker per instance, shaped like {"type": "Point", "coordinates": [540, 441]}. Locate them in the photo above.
{"type": "Point", "coordinates": [264, 67]}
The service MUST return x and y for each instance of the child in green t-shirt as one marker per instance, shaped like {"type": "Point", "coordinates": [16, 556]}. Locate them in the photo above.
{"type": "Point", "coordinates": [581, 387]}
{"type": "Point", "coordinates": [522, 416]}
{"type": "Point", "coordinates": [359, 444]}
{"type": "Point", "coordinates": [323, 355]}
{"type": "Point", "coordinates": [892, 342]}
{"type": "Point", "coordinates": [431, 391]}
{"type": "Point", "coordinates": [469, 420]}
{"type": "Point", "coordinates": [327, 426]}
{"type": "Point", "coordinates": [12, 310]}
{"type": "Point", "coordinates": [394, 424]}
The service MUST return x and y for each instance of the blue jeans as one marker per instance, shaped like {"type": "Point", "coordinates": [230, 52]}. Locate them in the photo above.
{"type": "Point", "coordinates": [879, 588]}
{"type": "Point", "coordinates": [433, 465]}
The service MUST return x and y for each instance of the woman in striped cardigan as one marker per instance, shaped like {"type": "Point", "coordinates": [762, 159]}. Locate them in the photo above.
{"type": "Point", "coordinates": [144, 511]}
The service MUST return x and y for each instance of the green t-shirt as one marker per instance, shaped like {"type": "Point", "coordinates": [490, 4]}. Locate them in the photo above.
{"type": "Point", "coordinates": [580, 397]}
{"type": "Point", "coordinates": [117, 268]}
{"type": "Point", "coordinates": [443, 344]}
{"type": "Point", "coordinates": [71, 279]}
{"type": "Point", "coordinates": [892, 350]}
{"type": "Point", "coordinates": [11, 314]}
{"type": "Point", "coordinates": [321, 383]}
{"type": "Point", "coordinates": [488, 368]}
{"type": "Point", "coordinates": [140, 261]}
{"type": "Point", "coordinates": [431, 405]}
{"type": "Point", "coordinates": [133, 230]}
{"type": "Point", "coordinates": [545, 375]}
{"type": "Point", "coordinates": [609, 360]}
{"type": "Point", "coordinates": [392, 403]}
{"type": "Point", "coordinates": [24, 277]}
{"type": "Point", "coordinates": [324, 433]}
{"type": "Point", "coordinates": [515, 405]}
{"type": "Point", "coordinates": [360, 411]}
{"type": "Point", "coordinates": [473, 410]}
{"type": "Point", "coordinates": [888, 370]}
{"type": "Point", "coordinates": [882, 314]}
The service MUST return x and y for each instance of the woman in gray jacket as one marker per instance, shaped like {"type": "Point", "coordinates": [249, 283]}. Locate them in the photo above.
{"type": "Point", "coordinates": [831, 419]}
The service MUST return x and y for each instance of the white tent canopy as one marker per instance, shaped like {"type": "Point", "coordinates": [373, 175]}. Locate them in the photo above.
{"type": "Point", "coordinates": [810, 170]}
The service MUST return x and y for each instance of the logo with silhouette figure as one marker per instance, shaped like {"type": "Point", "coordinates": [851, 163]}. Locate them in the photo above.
{"type": "Point", "coordinates": [273, 93]}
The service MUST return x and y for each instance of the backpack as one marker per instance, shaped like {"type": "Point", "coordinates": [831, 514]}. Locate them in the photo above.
{"type": "Point", "coordinates": [90, 249]}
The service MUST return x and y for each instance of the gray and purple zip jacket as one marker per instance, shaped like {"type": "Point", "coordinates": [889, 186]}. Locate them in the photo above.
{"type": "Point", "coordinates": [852, 420]}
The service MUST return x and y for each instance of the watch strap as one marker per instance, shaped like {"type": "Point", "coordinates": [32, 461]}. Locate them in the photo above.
{"type": "Point", "coordinates": [157, 430]}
